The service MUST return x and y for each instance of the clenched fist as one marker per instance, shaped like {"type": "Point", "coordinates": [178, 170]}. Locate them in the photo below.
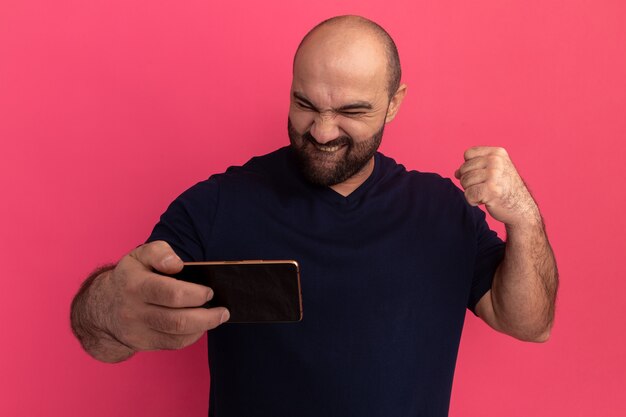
{"type": "Point", "coordinates": [489, 177]}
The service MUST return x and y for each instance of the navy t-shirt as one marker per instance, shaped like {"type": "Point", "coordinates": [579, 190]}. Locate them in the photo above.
{"type": "Point", "coordinates": [387, 274]}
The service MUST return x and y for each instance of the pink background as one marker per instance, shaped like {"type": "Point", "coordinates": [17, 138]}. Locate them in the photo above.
{"type": "Point", "coordinates": [109, 109]}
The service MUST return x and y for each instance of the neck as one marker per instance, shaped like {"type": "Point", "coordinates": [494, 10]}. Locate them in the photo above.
{"type": "Point", "coordinates": [348, 186]}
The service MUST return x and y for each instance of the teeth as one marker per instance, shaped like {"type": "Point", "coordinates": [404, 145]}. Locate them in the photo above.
{"type": "Point", "coordinates": [328, 148]}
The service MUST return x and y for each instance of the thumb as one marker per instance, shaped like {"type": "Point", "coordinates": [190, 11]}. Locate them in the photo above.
{"type": "Point", "coordinates": [158, 255]}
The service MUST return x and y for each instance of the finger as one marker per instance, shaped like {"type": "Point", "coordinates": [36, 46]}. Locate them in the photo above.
{"type": "Point", "coordinates": [484, 193]}
{"type": "Point", "coordinates": [186, 321]}
{"type": "Point", "coordinates": [472, 164]}
{"type": "Point", "coordinates": [158, 255]}
{"type": "Point", "coordinates": [170, 292]}
{"type": "Point", "coordinates": [475, 194]}
{"type": "Point", "coordinates": [478, 151]}
{"type": "Point", "coordinates": [474, 177]}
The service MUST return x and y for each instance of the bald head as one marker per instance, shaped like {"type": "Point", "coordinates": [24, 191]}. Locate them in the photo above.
{"type": "Point", "coordinates": [351, 38]}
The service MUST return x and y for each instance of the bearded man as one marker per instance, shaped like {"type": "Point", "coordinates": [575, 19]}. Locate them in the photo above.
{"type": "Point", "coordinates": [391, 259]}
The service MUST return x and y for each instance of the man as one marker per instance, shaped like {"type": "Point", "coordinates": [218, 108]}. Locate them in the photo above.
{"type": "Point", "coordinates": [390, 259]}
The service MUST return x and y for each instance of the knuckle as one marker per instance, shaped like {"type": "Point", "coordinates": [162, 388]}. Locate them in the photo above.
{"type": "Point", "coordinates": [175, 296]}
{"type": "Point", "coordinates": [141, 248]}
{"type": "Point", "coordinates": [160, 293]}
{"type": "Point", "coordinates": [494, 159]}
{"type": "Point", "coordinates": [152, 248]}
{"type": "Point", "coordinates": [179, 323]}
{"type": "Point", "coordinates": [164, 248]}
{"type": "Point", "coordinates": [126, 261]}
{"type": "Point", "coordinates": [501, 151]}
{"type": "Point", "coordinates": [160, 243]}
{"type": "Point", "coordinates": [476, 192]}
{"type": "Point", "coordinates": [470, 194]}
{"type": "Point", "coordinates": [467, 181]}
{"type": "Point", "coordinates": [159, 320]}
{"type": "Point", "coordinates": [492, 172]}
{"type": "Point", "coordinates": [168, 321]}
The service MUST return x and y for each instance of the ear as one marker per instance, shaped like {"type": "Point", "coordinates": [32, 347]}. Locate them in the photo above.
{"type": "Point", "coordinates": [394, 104]}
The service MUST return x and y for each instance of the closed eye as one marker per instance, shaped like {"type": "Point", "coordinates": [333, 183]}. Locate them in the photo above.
{"type": "Point", "coordinates": [305, 105]}
{"type": "Point", "coordinates": [352, 113]}
{"type": "Point", "coordinates": [354, 109]}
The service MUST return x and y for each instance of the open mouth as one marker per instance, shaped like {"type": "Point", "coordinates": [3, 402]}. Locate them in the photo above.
{"type": "Point", "coordinates": [327, 148]}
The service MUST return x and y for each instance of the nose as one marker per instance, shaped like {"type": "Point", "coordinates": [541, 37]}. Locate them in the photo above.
{"type": "Point", "coordinates": [325, 128]}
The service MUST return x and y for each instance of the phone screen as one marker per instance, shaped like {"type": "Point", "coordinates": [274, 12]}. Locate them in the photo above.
{"type": "Point", "coordinates": [253, 291]}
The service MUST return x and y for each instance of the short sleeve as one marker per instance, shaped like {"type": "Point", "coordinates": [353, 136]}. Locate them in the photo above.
{"type": "Point", "coordinates": [187, 223]}
{"type": "Point", "coordinates": [489, 254]}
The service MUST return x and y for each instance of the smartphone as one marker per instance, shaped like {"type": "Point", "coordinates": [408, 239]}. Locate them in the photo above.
{"type": "Point", "coordinates": [253, 291]}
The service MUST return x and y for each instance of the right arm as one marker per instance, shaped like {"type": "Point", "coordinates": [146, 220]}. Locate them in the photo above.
{"type": "Point", "coordinates": [126, 308]}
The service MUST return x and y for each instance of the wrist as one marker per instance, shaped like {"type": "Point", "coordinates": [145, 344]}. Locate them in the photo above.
{"type": "Point", "coordinates": [88, 320]}
{"type": "Point", "coordinates": [530, 218]}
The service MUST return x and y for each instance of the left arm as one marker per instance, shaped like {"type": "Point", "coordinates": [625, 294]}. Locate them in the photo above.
{"type": "Point", "coordinates": [521, 301]}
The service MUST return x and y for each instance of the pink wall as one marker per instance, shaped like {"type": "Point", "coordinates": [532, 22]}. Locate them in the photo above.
{"type": "Point", "coordinates": [109, 109]}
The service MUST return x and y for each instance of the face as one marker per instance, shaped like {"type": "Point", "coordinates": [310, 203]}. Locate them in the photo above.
{"type": "Point", "coordinates": [339, 106]}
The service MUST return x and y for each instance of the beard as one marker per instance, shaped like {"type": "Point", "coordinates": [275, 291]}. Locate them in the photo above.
{"type": "Point", "coordinates": [330, 168]}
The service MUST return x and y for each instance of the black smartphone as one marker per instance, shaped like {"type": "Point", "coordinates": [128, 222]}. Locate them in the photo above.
{"type": "Point", "coordinates": [253, 291]}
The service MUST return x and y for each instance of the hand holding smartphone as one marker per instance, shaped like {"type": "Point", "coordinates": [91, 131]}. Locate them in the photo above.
{"type": "Point", "coordinates": [253, 291]}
